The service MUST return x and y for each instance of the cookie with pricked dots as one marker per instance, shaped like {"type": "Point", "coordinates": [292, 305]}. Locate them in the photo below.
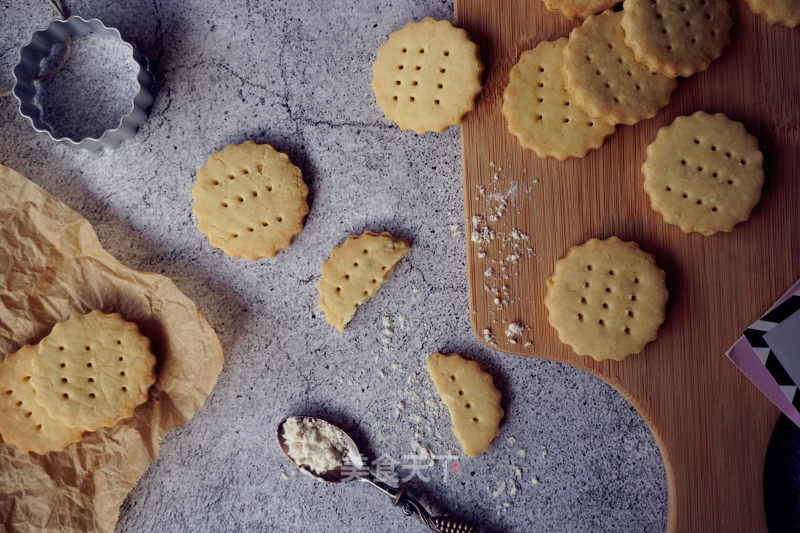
{"type": "Point", "coordinates": [579, 9]}
{"type": "Point", "coordinates": [676, 38]}
{"type": "Point", "coordinates": [93, 370]}
{"type": "Point", "coordinates": [605, 79]}
{"type": "Point", "coordinates": [704, 173]}
{"type": "Point", "coordinates": [471, 398]}
{"type": "Point", "coordinates": [539, 111]}
{"type": "Point", "coordinates": [250, 200]}
{"type": "Point", "coordinates": [606, 299]}
{"type": "Point", "coordinates": [783, 12]}
{"type": "Point", "coordinates": [427, 76]}
{"type": "Point", "coordinates": [23, 422]}
{"type": "Point", "coordinates": [355, 271]}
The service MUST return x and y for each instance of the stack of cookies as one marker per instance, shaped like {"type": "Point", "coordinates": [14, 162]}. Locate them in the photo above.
{"type": "Point", "coordinates": [90, 372]}
{"type": "Point", "coordinates": [565, 97]}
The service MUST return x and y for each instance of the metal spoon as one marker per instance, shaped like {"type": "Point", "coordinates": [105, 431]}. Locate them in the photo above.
{"type": "Point", "coordinates": [399, 496]}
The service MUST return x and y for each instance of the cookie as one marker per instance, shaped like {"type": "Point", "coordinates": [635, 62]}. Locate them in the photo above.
{"type": "Point", "coordinates": [606, 299]}
{"type": "Point", "coordinates": [676, 38]}
{"type": "Point", "coordinates": [573, 9]}
{"type": "Point", "coordinates": [427, 76]}
{"type": "Point", "coordinates": [471, 398]}
{"type": "Point", "coordinates": [604, 78]}
{"type": "Point", "coordinates": [539, 111]}
{"type": "Point", "coordinates": [250, 200]}
{"type": "Point", "coordinates": [23, 422]}
{"type": "Point", "coordinates": [355, 271]}
{"type": "Point", "coordinates": [704, 173]}
{"type": "Point", "coordinates": [784, 12]}
{"type": "Point", "coordinates": [93, 370]}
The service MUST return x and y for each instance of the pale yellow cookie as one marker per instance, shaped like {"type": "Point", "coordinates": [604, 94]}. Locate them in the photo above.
{"type": "Point", "coordinates": [606, 299]}
{"type": "Point", "coordinates": [784, 12]}
{"type": "Point", "coordinates": [471, 397]}
{"type": "Point", "coordinates": [355, 271]}
{"type": "Point", "coordinates": [539, 111]}
{"type": "Point", "coordinates": [676, 38]}
{"type": "Point", "coordinates": [573, 9]}
{"type": "Point", "coordinates": [704, 173]}
{"type": "Point", "coordinates": [93, 370]}
{"type": "Point", "coordinates": [603, 76]}
{"type": "Point", "coordinates": [23, 422]}
{"type": "Point", "coordinates": [250, 200]}
{"type": "Point", "coordinates": [427, 75]}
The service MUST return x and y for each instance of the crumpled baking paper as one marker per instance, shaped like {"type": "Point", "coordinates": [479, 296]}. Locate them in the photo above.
{"type": "Point", "coordinates": [52, 266]}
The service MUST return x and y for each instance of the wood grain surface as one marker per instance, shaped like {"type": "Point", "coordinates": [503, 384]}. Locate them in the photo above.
{"type": "Point", "coordinates": [712, 425]}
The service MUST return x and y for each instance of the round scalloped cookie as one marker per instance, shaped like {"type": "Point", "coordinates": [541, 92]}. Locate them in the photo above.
{"type": "Point", "coordinates": [539, 111]}
{"type": "Point", "coordinates": [606, 299]}
{"type": "Point", "coordinates": [603, 76]}
{"type": "Point", "coordinates": [704, 173]}
{"type": "Point", "coordinates": [427, 76]}
{"type": "Point", "coordinates": [676, 38]}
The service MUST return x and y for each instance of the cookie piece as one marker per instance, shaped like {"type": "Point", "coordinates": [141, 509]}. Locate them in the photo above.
{"type": "Point", "coordinates": [23, 422]}
{"type": "Point", "coordinates": [676, 38]}
{"type": "Point", "coordinates": [784, 12]}
{"type": "Point", "coordinates": [250, 200]}
{"type": "Point", "coordinates": [573, 9]}
{"type": "Point", "coordinates": [539, 110]}
{"type": "Point", "coordinates": [93, 370]}
{"type": "Point", "coordinates": [604, 78]}
{"type": "Point", "coordinates": [471, 398]}
{"type": "Point", "coordinates": [427, 75]}
{"type": "Point", "coordinates": [355, 271]}
{"type": "Point", "coordinates": [606, 299]}
{"type": "Point", "coordinates": [704, 173]}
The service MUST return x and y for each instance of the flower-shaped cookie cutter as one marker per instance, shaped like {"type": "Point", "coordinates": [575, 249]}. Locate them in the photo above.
{"type": "Point", "coordinates": [41, 45]}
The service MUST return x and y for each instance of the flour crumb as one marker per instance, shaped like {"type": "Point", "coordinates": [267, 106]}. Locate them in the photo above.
{"type": "Point", "coordinates": [528, 344]}
{"type": "Point", "coordinates": [489, 272]}
{"type": "Point", "coordinates": [512, 491]}
{"type": "Point", "coordinates": [511, 441]}
{"type": "Point", "coordinates": [514, 329]}
{"type": "Point", "coordinates": [521, 452]}
{"type": "Point", "coordinates": [386, 321]}
{"type": "Point", "coordinates": [535, 480]}
{"type": "Point", "coordinates": [481, 255]}
{"type": "Point", "coordinates": [489, 338]}
{"type": "Point", "coordinates": [501, 488]}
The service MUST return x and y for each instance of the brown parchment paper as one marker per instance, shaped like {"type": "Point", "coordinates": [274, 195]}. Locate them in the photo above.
{"type": "Point", "coordinates": [51, 266]}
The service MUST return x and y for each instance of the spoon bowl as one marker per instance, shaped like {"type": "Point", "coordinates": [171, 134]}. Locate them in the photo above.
{"type": "Point", "coordinates": [352, 459]}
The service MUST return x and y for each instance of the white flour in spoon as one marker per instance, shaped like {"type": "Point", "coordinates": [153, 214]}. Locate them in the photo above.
{"type": "Point", "coordinates": [315, 444]}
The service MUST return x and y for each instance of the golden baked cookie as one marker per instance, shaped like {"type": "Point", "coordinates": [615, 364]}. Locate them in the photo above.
{"type": "Point", "coordinates": [427, 76]}
{"type": "Point", "coordinates": [604, 78]}
{"type": "Point", "coordinates": [250, 200]}
{"type": "Point", "coordinates": [676, 38]}
{"type": "Point", "coordinates": [606, 299]}
{"type": "Point", "coordinates": [471, 398]}
{"type": "Point", "coordinates": [539, 111]}
{"type": "Point", "coordinates": [704, 173]}
{"type": "Point", "coordinates": [355, 271]}
{"type": "Point", "coordinates": [784, 12]}
{"type": "Point", "coordinates": [23, 422]}
{"type": "Point", "coordinates": [573, 9]}
{"type": "Point", "coordinates": [93, 370]}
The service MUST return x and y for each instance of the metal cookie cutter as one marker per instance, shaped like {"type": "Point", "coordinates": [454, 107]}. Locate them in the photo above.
{"type": "Point", "coordinates": [40, 47]}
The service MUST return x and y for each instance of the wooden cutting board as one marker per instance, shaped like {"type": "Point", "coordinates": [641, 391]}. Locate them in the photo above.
{"type": "Point", "coordinates": [711, 424]}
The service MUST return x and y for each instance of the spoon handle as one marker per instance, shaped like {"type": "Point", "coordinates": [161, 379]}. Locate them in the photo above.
{"type": "Point", "coordinates": [440, 524]}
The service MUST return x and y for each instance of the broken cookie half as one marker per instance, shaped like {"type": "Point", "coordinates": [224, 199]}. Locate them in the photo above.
{"type": "Point", "coordinates": [355, 271]}
{"type": "Point", "coordinates": [471, 397]}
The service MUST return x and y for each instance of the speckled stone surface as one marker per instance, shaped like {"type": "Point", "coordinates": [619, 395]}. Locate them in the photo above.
{"type": "Point", "coordinates": [572, 454]}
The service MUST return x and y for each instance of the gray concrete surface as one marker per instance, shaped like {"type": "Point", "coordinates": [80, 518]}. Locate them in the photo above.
{"type": "Point", "coordinates": [572, 455]}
